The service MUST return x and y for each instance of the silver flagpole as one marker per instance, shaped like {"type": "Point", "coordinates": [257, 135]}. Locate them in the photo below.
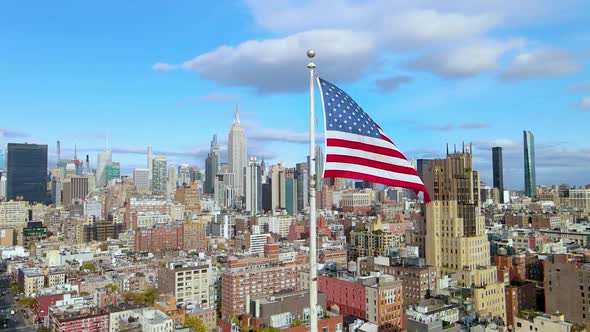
{"type": "Point", "coordinates": [313, 269]}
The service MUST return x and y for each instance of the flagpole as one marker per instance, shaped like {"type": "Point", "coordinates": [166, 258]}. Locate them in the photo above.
{"type": "Point", "coordinates": [313, 270]}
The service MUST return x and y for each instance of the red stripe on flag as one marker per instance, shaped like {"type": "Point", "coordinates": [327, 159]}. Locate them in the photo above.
{"type": "Point", "coordinates": [387, 139]}
{"type": "Point", "coordinates": [337, 158]}
{"type": "Point", "coordinates": [364, 147]}
{"type": "Point", "coordinates": [416, 187]}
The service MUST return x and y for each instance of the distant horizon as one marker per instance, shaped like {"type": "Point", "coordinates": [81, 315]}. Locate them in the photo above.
{"type": "Point", "coordinates": [128, 171]}
{"type": "Point", "coordinates": [429, 73]}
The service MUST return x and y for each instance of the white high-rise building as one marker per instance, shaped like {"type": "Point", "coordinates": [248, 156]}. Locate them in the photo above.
{"type": "Point", "coordinates": [171, 184]}
{"type": "Point", "coordinates": [159, 176]}
{"type": "Point", "coordinates": [253, 184]}
{"type": "Point", "coordinates": [104, 159]}
{"type": "Point", "coordinates": [184, 175]}
{"type": "Point", "coordinates": [236, 153]}
{"type": "Point", "coordinates": [141, 179]}
{"type": "Point", "coordinates": [150, 160]}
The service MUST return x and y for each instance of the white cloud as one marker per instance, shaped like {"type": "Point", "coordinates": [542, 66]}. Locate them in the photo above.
{"type": "Point", "coordinates": [350, 35]}
{"type": "Point", "coordinates": [466, 60]}
{"type": "Point", "coordinates": [454, 17]}
{"type": "Point", "coordinates": [279, 65]}
{"type": "Point", "coordinates": [541, 63]}
{"type": "Point", "coordinates": [584, 103]}
{"type": "Point", "coordinates": [421, 28]}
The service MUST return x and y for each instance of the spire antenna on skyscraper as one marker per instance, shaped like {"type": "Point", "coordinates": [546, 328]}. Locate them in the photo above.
{"type": "Point", "coordinates": [237, 116]}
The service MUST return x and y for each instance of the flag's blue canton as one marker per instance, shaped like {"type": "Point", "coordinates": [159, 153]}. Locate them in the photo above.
{"type": "Point", "coordinates": [343, 113]}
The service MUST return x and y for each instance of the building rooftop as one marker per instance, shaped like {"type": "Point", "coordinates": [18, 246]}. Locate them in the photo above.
{"type": "Point", "coordinates": [58, 289]}
{"type": "Point", "coordinates": [123, 306]}
{"type": "Point", "coordinates": [32, 272]}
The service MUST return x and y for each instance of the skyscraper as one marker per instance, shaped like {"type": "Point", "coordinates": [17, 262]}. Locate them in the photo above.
{"type": "Point", "coordinates": [27, 172]}
{"type": "Point", "coordinates": [113, 171]}
{"type": "Point", "coordinates": [141, 179]}
{"type": "Point", "coordinates": [277, 180]}
{"type": "Point", "coordinates": [211, 167]}
{"type": "Point", "coordinates": [171, 182]}
{"type": "Point", "coordinates": [302, 186]}
{"type": "Point", "coordinates": [184, 175]}
{"type": "Point", "coordinates": [159, 176]}
{"type": "Point", "coordinates": [150, 160]}
{"type": "Point", "coordinates": [530, 180]}
{"type": "Point", "coordinates": [236, 154]}
{"type": "Point", "coordinates": [456, 241]}
{"type": "Point", "coordinates": [253, 184]}
{"type": "Point", "coordinates": [290, 191]}
{"type": "Point", "coordinates": [195, 173]}
{"type": "Point", "coordinates": [498, 170]}
{"type": "Point", "coordinates": [103, 160]}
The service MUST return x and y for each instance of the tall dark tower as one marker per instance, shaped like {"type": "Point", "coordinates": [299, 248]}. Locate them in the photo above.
{"type": "Point", "coordinates": [27, 172]}
{"type": "Point", "coordinates": [530, 180]}
{"type": "Point", "coordinates": [498, 171]}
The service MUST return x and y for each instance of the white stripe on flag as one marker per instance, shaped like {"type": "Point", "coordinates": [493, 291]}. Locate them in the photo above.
{"type": "Point", "coordinates": [367, 155]}
{"type": "Point", "coordinates": [332, 166]}
{"type": "Point", "coordinates": [360, 138]}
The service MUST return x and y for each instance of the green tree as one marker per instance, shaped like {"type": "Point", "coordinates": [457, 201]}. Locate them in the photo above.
{"type": "Point", "coordinates": [27, 301]}
{"type": "Point", "coordinates": [112, 287]}
{"type": "Point", "coordinates": [88, 266]}
{"type": "Point", "coordinates": [147, 297]}
{"type": "Point", "coordinates": [296, 322]}
{"type": "Point", "coordinates": [42, 329]}
{"type": "Point", "coordinates": [103, 247]}
{"type": "Point", "coordinates": [13, 288]}
{"type": "Point", "coordinates": [195, 324]}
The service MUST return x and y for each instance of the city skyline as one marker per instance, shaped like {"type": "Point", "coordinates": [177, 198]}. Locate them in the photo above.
{"type": "Point", "coordinates": [120, 98]}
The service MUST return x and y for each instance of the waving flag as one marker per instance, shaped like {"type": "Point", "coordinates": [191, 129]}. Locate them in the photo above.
{"type": "Point", "coordinates": [357, 148]}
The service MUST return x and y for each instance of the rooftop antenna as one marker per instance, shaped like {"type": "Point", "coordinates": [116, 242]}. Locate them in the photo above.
{"type": "Point", "coordinates": [463, 146]}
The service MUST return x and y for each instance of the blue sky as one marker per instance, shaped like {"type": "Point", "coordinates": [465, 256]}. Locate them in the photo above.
{"type": "Point", "coordinates": [136, 73]}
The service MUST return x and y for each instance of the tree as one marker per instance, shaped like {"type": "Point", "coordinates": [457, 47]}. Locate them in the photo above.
{"type": "Point", "coordinates": [147, 297]}
{"type": "Point", "coordinates": [88, 266]}
{"type": "Point", "coordinates": [42, 329]}
{"type": "Point", "coordinates": [195, 324]}
{"type": "Point", "coordinates": [112, 287]}
{"type": "Point", "coordinates": [27, 301]}
{"type": "Point", "coordinates": [103, 247]}
{"type": "Point", "coordinates": [13, 288]}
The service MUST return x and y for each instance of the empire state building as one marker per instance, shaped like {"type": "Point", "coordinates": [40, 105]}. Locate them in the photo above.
{"type": "Point", "coordinates": [236, 151]}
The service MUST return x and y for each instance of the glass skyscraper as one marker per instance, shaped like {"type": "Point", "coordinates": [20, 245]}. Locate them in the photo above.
{"type": "Point", "coordinates": [530, 181]}
{"type": "Point", "coordinates": [27, 172]}
{"type": "Point", "coordinates": [497, 168]}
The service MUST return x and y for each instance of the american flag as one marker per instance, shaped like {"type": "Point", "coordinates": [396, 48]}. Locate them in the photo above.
{"type": "Point", "coordinates": [357, 148]}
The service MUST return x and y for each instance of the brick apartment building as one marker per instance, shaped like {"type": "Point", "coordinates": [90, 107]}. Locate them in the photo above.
{"type": "Point", "coordinates": [251, 277]}
{"type": "Point", "coordinates": [377, 299]}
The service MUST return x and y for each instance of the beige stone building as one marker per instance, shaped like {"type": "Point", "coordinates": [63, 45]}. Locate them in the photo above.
{"type": "Point", "coordinates": [455, 231]}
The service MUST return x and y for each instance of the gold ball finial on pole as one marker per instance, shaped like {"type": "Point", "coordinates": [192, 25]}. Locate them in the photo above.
{"type": "Point", "coordinates": [310, 53]}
